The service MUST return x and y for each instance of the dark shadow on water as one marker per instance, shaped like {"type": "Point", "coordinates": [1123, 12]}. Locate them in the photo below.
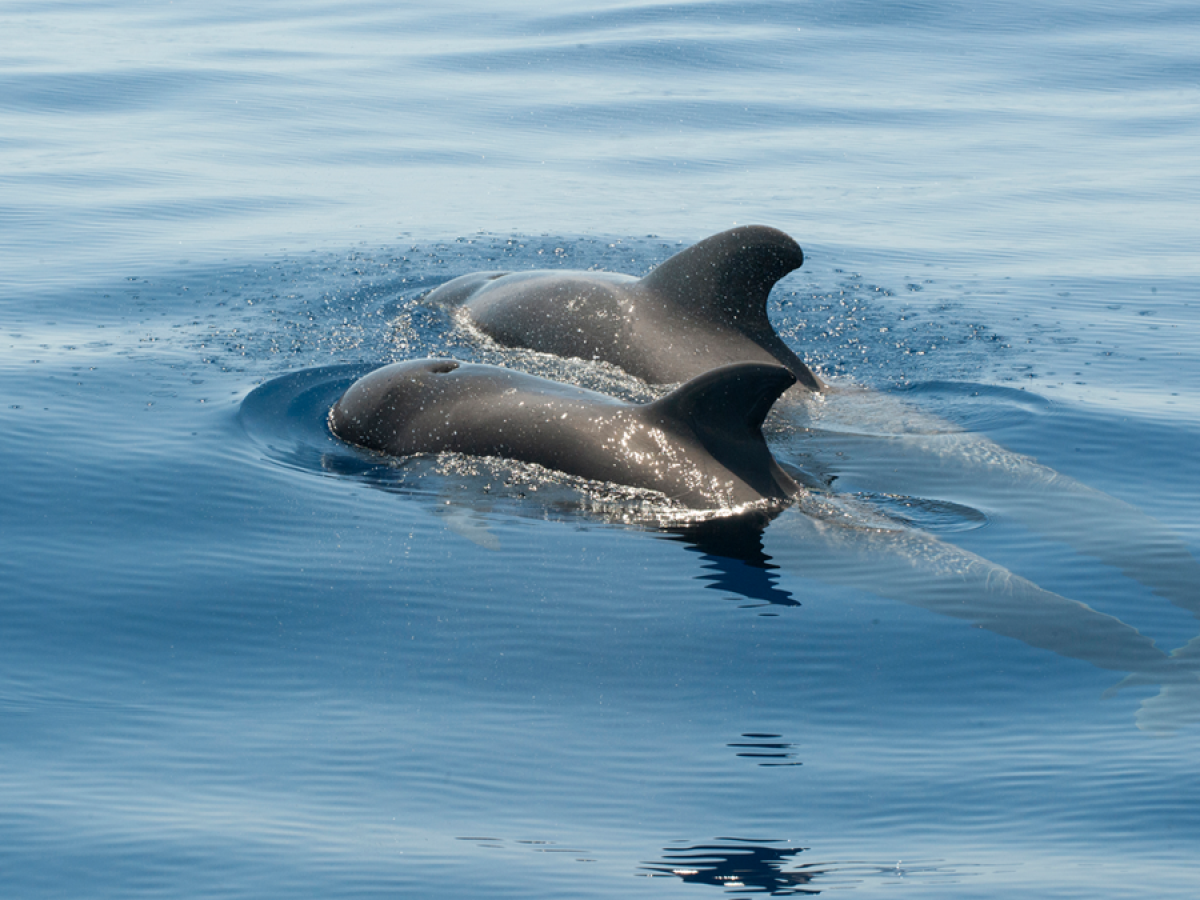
{"type": "Point", "coordinates": [731, 550]}
{"type": "Point", "coordinates": [738, 865]}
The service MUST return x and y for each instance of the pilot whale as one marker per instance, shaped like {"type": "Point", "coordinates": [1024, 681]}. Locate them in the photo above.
{"type": "Point", "coordinates": [704, 307]}
{"type": "Point", "coordinates": [701, 444]}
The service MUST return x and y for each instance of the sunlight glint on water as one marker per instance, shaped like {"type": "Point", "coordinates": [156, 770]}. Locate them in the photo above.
{"type": "Point", "coordinates": [241, 660]}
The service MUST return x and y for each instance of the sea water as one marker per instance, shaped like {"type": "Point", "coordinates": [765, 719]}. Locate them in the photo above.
{"type": "Point", "coordinates": [242, 660]}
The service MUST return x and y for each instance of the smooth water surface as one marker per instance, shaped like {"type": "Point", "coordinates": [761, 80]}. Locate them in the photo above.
{"type": "Point", "coordinates": [243, 659]}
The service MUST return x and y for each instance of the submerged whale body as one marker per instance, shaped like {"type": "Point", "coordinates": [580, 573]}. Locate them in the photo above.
{"type": "Point", "coordinates": [704, 307]}
{"type": "Point", "coordinates": [701, 445]}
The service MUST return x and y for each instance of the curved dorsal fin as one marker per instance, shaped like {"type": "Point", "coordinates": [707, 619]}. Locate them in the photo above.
{"type": "Point", "coordinates": [725, 408]}
{"type": "Point", "coordinates": [725, 280]}
{"type": "Point", "coordinates": [732, 400]}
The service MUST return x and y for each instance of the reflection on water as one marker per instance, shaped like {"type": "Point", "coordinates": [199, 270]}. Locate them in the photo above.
{"type": "Point", "coordinates": [241, 669]}
{"type": "Point", "coordinates": [739, 865]}
{"type": "Point", "coordinates": [770, 749]}
{"type": "Point", "coordinates": [746, 867]}
{"type": "Point", "coordinates": [732, 555]}
{"type": "Point", "coordinates": [867, 541]}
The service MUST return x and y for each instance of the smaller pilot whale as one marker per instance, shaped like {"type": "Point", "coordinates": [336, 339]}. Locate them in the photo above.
{"type": "Point", "coordinates": [704, 307]}
{"type": "Point", "coordinates": [701, 445]}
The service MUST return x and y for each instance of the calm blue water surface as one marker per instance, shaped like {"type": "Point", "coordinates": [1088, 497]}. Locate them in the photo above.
{"type": "Point", "coordinates": [240, 659]}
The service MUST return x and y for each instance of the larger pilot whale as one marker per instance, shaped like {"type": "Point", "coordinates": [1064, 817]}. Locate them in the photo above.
{"type": "Point", "coordinates": [704, 307]}
{"type": "Point", "coordinates": [701, 444]}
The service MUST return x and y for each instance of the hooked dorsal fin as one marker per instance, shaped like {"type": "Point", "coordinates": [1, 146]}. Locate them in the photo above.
{"type": "Point", "coordinates": [733, 400]}
{"type": "Point", "coordinates": [726, 279]}
{"type": "Point", "coordinates": [725, 408]}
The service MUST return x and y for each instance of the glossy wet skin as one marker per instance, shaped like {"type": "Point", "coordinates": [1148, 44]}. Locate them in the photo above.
{"type": "Point", "coordinates": [678, 445]}
{"type": "Point", "coordinates": [704, 307]}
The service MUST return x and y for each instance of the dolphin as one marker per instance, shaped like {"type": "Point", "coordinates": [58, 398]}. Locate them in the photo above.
{"type": "Point", "coordinates": [701, 444]}
{"type": "Point", "coordinates": [704, 307]}
{"type": "Point", "coordinates": [878, 443]}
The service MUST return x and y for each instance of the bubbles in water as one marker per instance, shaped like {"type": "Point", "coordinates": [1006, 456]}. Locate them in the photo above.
{"type": "Point", "coordinates": [368, 309]}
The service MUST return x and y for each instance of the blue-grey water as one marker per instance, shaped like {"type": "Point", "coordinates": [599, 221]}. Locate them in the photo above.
{"type": "Point", "coordinates": [239, 659]}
